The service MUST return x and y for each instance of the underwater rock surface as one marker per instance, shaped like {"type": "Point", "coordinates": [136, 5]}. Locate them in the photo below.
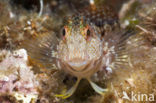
{"type": "Point", "coordinates": [16, 78]}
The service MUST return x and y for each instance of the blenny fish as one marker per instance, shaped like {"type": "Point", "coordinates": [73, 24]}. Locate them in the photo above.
{"type": "Point", "coordinates": [90, 40]}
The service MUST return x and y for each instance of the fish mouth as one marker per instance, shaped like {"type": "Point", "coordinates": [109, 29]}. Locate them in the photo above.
{"type": "Point", "coordinates": [78, 65]}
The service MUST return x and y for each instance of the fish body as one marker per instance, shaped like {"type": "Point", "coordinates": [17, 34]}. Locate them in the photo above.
{"type": "Point", "coordinates": [89, 42]}
{"type": "Point", "coordinates": [88, 45]}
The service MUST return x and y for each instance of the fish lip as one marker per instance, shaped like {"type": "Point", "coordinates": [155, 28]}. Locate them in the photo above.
{"type": "Point", "coordinates": [78, 66]}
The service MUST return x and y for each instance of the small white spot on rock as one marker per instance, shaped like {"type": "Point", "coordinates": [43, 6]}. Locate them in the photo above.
{"type": "Point", "coordinates": [22, 53]}
{"type": "Point", "coordinates": [28, 22]}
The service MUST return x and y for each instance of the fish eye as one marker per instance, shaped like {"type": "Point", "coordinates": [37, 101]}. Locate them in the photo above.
{"type": "Point", "coordinates": [63, 32]}
{"type": "Point", "coordinates": [88, 32]}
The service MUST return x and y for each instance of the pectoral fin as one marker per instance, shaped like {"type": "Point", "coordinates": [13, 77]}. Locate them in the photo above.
{"type": "Point", "coordinates": [97, 88]}
{"type": "Point", "coordinates": [70, 91]}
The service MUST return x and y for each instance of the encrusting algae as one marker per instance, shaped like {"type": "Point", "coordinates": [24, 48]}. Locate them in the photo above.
{"type": "Point", "coordinates": [16, 78]}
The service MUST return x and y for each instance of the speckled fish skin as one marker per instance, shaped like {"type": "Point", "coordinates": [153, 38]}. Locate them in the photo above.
{"type": "Point", "coordinates": [81, 54]}
{"type": "Point", "coordinates": [102, 16]}
{"type": "Point", "coordinates": [79, 51]}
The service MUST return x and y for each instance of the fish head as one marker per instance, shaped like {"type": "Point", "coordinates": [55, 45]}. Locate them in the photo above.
{"type": "Point", "coordinates": [80, 45]}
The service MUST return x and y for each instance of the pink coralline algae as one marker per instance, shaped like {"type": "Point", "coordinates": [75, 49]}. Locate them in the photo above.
{"type": "Point", "coordinates": [16, 76]}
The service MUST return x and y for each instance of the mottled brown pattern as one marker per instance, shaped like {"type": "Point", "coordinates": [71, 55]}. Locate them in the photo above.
{"type": "Point", "coordinates": [103, 17]}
